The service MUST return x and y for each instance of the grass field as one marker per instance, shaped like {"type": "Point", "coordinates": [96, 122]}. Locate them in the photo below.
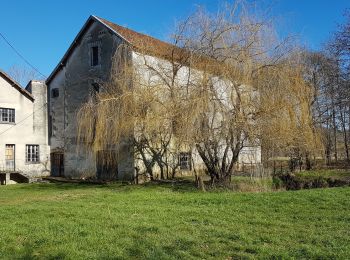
{"type": "Point", "coordinates": [171, 221]}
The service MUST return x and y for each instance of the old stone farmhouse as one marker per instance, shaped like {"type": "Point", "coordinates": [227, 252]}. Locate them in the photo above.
{"type": "Point", "coordinates": [38, 125]}
{"type": "Point", "coordinates": [23, 128]}
{"type": "Point", "coordinates": [87, 62]}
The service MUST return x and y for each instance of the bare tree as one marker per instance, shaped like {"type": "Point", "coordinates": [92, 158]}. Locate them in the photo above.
{"type": "Point", "coordinates": [327, 72]}
{"type": "Point", "coordinates": [23, 74]}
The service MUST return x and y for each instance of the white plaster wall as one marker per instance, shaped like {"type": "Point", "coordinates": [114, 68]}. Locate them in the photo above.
{"type": "Point", "coordinates": [249, 154]}
{"type": "Point", "coordinates": [24, 130]}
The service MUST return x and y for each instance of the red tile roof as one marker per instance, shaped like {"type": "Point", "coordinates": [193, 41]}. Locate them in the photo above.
{"type": "Point", "coordinates": [145, 43]}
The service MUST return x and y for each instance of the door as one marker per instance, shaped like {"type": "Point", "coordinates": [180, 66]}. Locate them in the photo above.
{"type": "Point", "coordinates": [57, 164]}
{"type": "Point", "coordinates": [10, 157]}
{"type": "Point", "coordinates": [106, 165]}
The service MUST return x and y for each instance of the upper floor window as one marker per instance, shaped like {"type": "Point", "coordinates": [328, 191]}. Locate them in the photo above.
{"type": "Point", "coordinates": [7, 115]}
{"type": "Point", "coordinates": [55, 92]}
{"type": "Point", "coordinates": [94, 56]}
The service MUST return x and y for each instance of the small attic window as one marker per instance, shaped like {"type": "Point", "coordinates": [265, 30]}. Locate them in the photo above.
{"type": "Point", "coordinates": [94, 56]}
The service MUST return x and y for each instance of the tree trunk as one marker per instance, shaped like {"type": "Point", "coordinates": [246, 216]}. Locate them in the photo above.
{"type": "Point", "coordinates": [343, 123]}
{"type": "Point", "coordinates": [161, 172]}
{"type": "Point", "coordinates": [200, 184]}
{"type": "Point", "coordinates": [307, 162]}
{"type": "Point", "coordinates": [334, 132]}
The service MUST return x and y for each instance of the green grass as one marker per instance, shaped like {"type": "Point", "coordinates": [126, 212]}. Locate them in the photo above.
{"type": "Point", "coordinates": [326, 173]}
{"type": "Point", "coordinates": [66, 221]}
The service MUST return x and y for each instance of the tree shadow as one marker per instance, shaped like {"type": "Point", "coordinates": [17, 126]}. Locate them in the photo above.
{"type": "Point", "coordinates": [177, 185]}
{"type": "Point", "coordinates": [59, 186]}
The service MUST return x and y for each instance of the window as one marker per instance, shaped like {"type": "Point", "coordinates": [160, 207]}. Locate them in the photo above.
{"type": "Point", "coordinates": [7, 115]}
{"type": "Point", "coordinates": [32, 153]}
{"type": "Point", "coordinates": [55, 92]}
{"type": "Point", "coordinates": [94, 56]}
{"type": "Point", "coordinates": [185, 161]}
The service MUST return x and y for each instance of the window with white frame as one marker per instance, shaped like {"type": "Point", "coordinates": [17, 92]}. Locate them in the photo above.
{"type": "Point", "coordinates": [7, 115]}
{"type": "Point", "coordinates": [32, 153]}
{"type": "Point", "coordinates": [185, 161]}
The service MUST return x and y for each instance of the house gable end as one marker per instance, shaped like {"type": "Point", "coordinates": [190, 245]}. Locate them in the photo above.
{"type": "Point", "coordinates": [92, 19]}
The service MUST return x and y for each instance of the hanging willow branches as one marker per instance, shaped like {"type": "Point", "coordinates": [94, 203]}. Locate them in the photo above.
{"type": "Point", "coordinates": [225, 84]}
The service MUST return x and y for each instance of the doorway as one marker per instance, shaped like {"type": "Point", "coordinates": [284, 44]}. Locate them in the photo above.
{"type": "Point", "coordinates": [57, 164]}
{"type": "Point", "coordinates": [10, 157]}
{"type": "Point", "coordinates": [106, 165]}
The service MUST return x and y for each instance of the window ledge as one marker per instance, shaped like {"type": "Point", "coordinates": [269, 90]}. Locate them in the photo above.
{"type": "Point", "coordinates": [7, 123]}
{"type": "Point", "coordinates": [33, 163]}
{"type": "Point", "coordinates": [93, 68]}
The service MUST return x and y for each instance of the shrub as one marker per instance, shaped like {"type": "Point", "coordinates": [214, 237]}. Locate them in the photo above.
{"type": "Point", "coordinates": [277, 183]}
{"type": "Point", "coordinates": [296, 182]}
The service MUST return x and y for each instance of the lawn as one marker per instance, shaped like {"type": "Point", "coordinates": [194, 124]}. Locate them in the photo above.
{"type": "Point", "coordinates": [171, 221]}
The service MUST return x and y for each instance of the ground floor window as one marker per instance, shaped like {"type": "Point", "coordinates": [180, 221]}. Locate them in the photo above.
{"type": "Point", "coordinates": [32, 153]}
{"type": "Point", "coordinates": [185, 161]}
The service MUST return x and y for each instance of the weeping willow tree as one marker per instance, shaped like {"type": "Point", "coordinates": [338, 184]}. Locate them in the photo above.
{"type": "Point", "coordinates": [225, 84]}
{"type": "Point", "coordinates": [287, 124]}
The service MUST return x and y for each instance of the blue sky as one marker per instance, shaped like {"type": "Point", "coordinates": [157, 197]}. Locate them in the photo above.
{"type": "Point", "coordinates": [43, 30]}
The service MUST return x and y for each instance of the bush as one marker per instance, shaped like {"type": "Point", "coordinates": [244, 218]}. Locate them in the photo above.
{"type": "Point", "coordinates": [320, 182]}
{"type": "Point", "coordinates": [295, 182]}
{"type": "Point", "coordinates": [277, 183]}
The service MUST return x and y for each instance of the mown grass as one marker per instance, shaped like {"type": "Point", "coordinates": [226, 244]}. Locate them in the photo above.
{"type": "Point", "coordinates": [170, 221]}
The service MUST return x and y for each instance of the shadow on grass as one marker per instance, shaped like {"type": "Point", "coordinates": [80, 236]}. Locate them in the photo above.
{"type": "Point", "coordinates": [177, 185]}
{"type": "Point", "coordinates": [58, 186]}
{"type": "Point", "coordinates": [30, 253]}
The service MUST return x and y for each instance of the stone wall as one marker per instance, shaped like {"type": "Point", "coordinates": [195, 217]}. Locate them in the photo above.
{"type": "Point", "coordinates": [75, 84]}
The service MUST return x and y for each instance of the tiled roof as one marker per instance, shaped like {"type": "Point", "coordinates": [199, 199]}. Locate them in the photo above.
{"type": "Point", "coordinates": [139, 42]}
{"type": "Point", "coordinates": [143, 42]}
{"type": "Point", "coordinates": [152, 46]}
{"type": "Point", "coordinates": [16, 85]}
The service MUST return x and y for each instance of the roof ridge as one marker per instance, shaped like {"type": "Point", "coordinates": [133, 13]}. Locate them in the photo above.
{"type": "Point", "coordinates": [129, 29]}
